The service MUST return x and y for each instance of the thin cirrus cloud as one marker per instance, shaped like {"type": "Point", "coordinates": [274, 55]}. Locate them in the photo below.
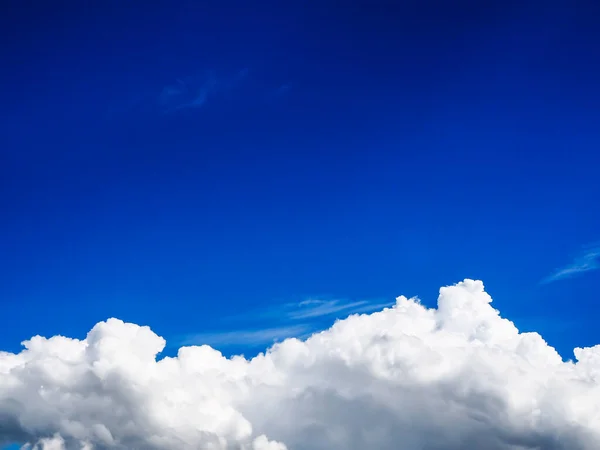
{"type": "Point", "coordinates": [246, 337]}
{"type": "Point", "coordinates": [311, 309]}
{"type": "Point", "coordinates": [293, 320]}
{"type": "Point", "coordinates": [195, 92]}
{"type": "Point", "coordinates": [587, 261]}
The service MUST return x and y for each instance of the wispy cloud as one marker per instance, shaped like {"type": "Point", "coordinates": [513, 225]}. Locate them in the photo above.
{"type": "Point", "coordinates": [318, 308]}
{"type": "Point", "coordinates": [194, 92]}
{"type": "Point", "coordinates": [312, 309]}
{"type": "Point", "coordinates": [246, 337]}
{"type": "Point", "coordinates": [279, 322]}
{"type": "Point", "coordinates": [277, 93]}
{"type": "Point", "coordinates": [588, 260]}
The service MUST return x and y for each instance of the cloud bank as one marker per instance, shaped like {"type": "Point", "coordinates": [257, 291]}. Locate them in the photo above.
{"type": "Point", "coordinates": [456, 377]}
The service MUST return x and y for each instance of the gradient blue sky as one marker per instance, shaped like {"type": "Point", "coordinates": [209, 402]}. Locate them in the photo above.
{"type": "Point", "coordinates": [203, 167]}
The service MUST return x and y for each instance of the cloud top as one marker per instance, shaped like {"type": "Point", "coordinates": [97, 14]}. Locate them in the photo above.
{"type": "Point", "coordinates": [406, 377]}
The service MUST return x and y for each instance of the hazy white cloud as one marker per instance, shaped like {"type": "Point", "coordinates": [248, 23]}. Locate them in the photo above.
{"type": "Point", "coordinates": [403, 378]}
{"type": "Point", "coordinates": [264, 336]}
{"type": "Point", "coordinates": [292, 320]}
{"type": "Point", "coordinates": [587, 261]}
{"type": "Point", "coordinates": [310, 309]}
{"type": "Point", "coordinates": [313, 308]}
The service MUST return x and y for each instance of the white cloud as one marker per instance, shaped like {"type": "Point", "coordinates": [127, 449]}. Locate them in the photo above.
{"type": "Point", "coordinates": [297, 320]}
{"type": "Point", "coordinates": [407, 377]}
{"type": "Point", "coordinates": [588, 260]}
{"type": "Point", "coordinates": [246, 337]}
{"type": "Point", "coordinates": [310, 309]}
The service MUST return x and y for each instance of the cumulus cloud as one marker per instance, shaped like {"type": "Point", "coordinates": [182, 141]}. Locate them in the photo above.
{"type": "Point", "coordinates": [407, 377]}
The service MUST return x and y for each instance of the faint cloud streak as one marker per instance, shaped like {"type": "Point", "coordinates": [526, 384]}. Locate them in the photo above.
{"type": "Point", "coordinates": [587, 261]}
{"type": "Point", "coordinates": [318, 308]}
{"type": "Point", "coordinates": [194, 92]}
{"type": "Point", "coordinates": [279, 322]}
{"type": "Point", "coordinates": [247, 337]}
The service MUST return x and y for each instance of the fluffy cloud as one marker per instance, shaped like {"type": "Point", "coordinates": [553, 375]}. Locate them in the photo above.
{"type": "Point", "coordinates": [407, 377]}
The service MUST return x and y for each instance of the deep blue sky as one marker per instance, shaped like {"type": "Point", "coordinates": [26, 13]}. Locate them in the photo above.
{"type": "Point", "coordinates": [176, 163]}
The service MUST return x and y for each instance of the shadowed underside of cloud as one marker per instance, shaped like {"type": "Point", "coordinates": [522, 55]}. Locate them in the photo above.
{"type": "Point", "coordinates": [587, 261]}
{"type": "Point", "coordinates": [405, 377]}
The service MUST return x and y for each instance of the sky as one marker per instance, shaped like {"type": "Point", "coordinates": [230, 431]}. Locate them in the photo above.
{"type": "Point", "coordinates": [234, 174]}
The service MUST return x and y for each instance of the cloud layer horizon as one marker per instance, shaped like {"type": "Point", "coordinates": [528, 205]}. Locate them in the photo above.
{"type": "Point", "coordinates": [406, 377]}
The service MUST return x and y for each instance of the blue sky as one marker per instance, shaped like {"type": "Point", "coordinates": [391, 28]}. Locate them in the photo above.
{"type": "Point", "coordinates": [231, 173]}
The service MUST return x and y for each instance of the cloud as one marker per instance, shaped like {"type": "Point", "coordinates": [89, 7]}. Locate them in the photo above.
{"type": "Point", "coordinates": [194, 92]}
{"type": "Point", "coordinates": [251, 338]}
{"type": "Point", "coordinates": [310, 309]}
{"type": "Point", "coordinates": [297, 320]}
{"type": "Point", "coordinates": [184, 95]}
{"type": "Point", "coordinates": [313, 308]}
{"type": "Point", "coordinates": [587, 261]}
{"type": "Point", "coordinates": [406, 377]}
